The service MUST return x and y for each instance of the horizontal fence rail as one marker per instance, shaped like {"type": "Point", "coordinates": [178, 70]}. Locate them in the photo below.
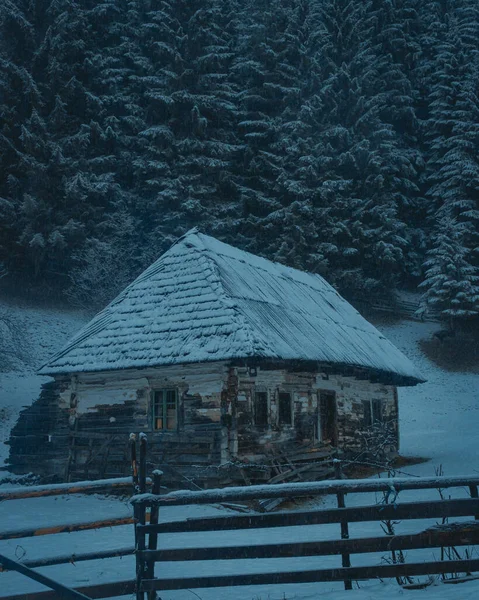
{"type": "Point", "coordinates": [57, 489]}
{"type": "Point", "coordinates": [58, 587]}
{"type": "Point", "coordinates": [433, 538]}
{"type": "Point", "coordinates": [68, 528]}
{"type": "Point", "coordinates": [317, 575]}
{"type": "Point", "coordinates": [304, 489]}
{"type": "Point", "coordinates": [74, 558]}
{"type": "Point", "coordinates": [102, 590]}
{"type": "Point", "coordinates": [378, 512]}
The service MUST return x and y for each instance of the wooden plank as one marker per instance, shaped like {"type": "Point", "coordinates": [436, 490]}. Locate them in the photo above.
{"type": "Point", "coordinates": [74, 558]}
{"type": "Point", "coordinates": [318, 575]}
{"type": "Point", "coordinates": [142, 464]}
{"type": "Point", "coordinates": [302, 489]}
{"type": "Point", "coordinates": [431, 538]}
{"type": "Point", "coordinates": [311, 467]}
{"type": "Point", "coordinates": [80, 487]}
{"type": "Point", "coordinates": [140, 516]}
{"type": "Point", "coordinates": [66, 528]}
{"type": "Point", "coordinates": [345, 557]}
{"type": "Point", "coordinates": [65, 591]}
{"type": "Point", "coordinates": [103, 590]}
{"type": "Point", "coordinates": [474, 494]}
{"type": "Point", "coordinates": [153, 537]}
{"type": "Point", "coordinates": [413, 510]}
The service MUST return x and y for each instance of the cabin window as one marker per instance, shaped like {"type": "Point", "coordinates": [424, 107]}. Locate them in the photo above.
{"type": "Point", "coordinates": [261, 409]}
{"type": "Point", "coordinates": [165, 410]}
{"type": "Point", "coordinates": [285, 417]}
{"type": "Point", "coordinates": [372, 412]}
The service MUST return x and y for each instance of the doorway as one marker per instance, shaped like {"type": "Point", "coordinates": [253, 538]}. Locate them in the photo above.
{"type": "Point", "coordinates": [327, 425]}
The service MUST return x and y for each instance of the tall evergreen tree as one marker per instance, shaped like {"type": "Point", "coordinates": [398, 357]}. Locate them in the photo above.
{"type": "Point", "coordinates": [451, 282]}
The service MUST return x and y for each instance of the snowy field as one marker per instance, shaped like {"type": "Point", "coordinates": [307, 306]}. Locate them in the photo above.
{"type": "Point", "coordinates": [439, 421]}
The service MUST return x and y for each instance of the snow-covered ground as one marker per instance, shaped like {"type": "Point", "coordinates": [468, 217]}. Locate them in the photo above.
{"type": "Point", "coordinates": [439, 420]}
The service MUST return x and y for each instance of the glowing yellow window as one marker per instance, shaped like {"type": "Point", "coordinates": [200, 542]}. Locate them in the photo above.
{"type": "Point", "coordinates": [165, 410]}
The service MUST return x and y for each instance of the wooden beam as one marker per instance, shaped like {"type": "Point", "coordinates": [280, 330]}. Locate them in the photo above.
{"type": "Point", "coordinates": [302, 489]}
{"type": "Point", "coordinates": [79, 487]}
{"type": "Point", "coordinates": [23, 533]}
{"type": "Point", "coordinates": [317, 575]}
{"type": "Point", "coordinates": [432, 538]}
{"type": "Point", "coordinates": [380, 512]}
{"type": "Point", "coordinates": [74, 558]}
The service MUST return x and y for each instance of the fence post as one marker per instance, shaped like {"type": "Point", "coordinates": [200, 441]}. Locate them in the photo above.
{"type": "Point", "coordinates": [142, 466]}
{"type": "Point", "coordinates": [140, 517]}
{"type": "Point", "coordinates": [474, 494]}
{"type": "Point", "coordinates": [345, 558]}
{"type": "Point", "coordinates": [153, 537]}
{"type": "Point", "coordinates": [134, 464]}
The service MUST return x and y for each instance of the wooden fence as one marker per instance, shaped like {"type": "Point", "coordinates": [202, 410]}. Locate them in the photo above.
{"type": "Point", "coordinates": [149, 529]}
{"type": "Point", "coordinates": [446, 535]}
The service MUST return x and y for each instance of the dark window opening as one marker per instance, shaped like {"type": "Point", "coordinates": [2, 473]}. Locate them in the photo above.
{"type": "Point", "coordinates": [285, 408]}
{"type": "Point", "coordinates": [165, 410]}
{"type": "Point", "coordinates": [327, 417]}
{"type": "Point", "coordinates": [372, 412]}
{"type": "Point", "coordinates": [261, 409]}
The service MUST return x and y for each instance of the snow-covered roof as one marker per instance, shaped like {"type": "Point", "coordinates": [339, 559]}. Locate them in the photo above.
{"type": "Point", "coordinates": [204, 300]}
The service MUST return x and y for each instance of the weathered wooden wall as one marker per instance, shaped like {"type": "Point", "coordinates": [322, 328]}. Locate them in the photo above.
{"type": "Point", "coordinates": [305, 388]}
{"type": "Point", "coordinates": [111, 405]}
{"type": "Point", "coordinates": [79, 427]}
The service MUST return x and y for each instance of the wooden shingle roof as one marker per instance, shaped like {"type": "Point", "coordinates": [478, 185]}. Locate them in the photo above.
{"type": "Point", "coordinates": [204, 300]}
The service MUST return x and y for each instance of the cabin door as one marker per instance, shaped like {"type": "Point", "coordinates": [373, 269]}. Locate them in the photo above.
{"type": "Point", "coordinates": [327, 425]}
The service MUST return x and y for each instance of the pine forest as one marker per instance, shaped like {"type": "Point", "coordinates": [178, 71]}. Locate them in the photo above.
{"type": "Point", "coordinates": [335, 136]}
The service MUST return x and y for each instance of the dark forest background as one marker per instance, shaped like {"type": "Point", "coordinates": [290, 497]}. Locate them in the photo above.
{"type": "Point", "coordinates": [336, 136]}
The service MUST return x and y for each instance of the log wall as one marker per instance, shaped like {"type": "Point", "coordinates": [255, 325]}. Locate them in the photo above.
{"type": "Point", "coordinates": [305, 388]}
{"type": "Point", "coordinates": [79, 427]}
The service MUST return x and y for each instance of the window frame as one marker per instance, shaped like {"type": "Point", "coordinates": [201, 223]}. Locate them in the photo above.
{"type": "Point", "coordinates": [374, 409]}
{"type": "Point", "coordinates": [280, 412]}
{"type": "Point", "coordinates": [266, 424]}
{"type": "Point", "coordinates": [164, 410]}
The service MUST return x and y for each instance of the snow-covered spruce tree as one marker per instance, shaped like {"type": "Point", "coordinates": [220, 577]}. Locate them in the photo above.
{"type": "Point", "coordinates": [31, 163]}
{"type": "Point", "coordinates": [106, 150]}
{"type": "Point", "coordinates": [396, 37]}
{"type": "Point", "coordinates": [452, 141]}
{"type": "Point", "coordinates": [267, 70]}
{"type": "Point", "coordinates": [454, 74]}
{"type": "Point", "coordinates": [293, 230]}
{"type": "Point", "coordinates": [451, 282]}
{"type": "Point", "coordinates": [363, 174]}
{"type": "Point", "coordinates": [189, 113]}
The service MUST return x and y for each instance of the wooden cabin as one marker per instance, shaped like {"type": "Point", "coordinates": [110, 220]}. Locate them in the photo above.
{"type": "Point", "coordinates": [224, 359]}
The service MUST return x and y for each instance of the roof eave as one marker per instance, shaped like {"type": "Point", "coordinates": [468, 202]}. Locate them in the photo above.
{"type": "Point", "coordinates": [373, 374]}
